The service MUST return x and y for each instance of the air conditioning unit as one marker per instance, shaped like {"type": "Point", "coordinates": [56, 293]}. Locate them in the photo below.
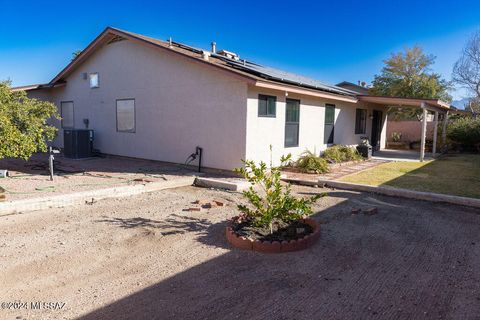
{"type": "Point", "coordinates": [77, 143]}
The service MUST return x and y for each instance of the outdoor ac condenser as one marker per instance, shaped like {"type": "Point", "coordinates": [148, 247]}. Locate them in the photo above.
{"type": "Point", "coordinates": [77, 143]}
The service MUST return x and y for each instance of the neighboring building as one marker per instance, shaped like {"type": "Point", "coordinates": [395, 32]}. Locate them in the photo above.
{"type": "Point", "coordinates": [360, 88]}
{"type": "Point", "coordinates": [158, 100]}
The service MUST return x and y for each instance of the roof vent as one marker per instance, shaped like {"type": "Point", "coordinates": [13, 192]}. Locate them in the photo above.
{"type": "Point", "coordinates": [214, 47]}
{"type": "Point", "coordinates": [206, 55]}
{"type": "Point", "coordinates": [229, 54]}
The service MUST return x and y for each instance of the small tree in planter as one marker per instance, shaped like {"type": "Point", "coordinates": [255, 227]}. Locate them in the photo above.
{"type": "Point", "coordinates": [272, 211]}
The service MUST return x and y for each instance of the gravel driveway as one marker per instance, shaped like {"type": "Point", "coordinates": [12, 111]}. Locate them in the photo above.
{"type": "Point", "coordinates": [145, 258]}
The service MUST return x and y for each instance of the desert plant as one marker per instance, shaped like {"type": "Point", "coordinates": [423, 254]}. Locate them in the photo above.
{"type": "Point", "coordinates": [341, 153]}
{"type": "Point", "coordinates": [396, 136]}
{"type": "Point", "coordinates": [268, 199]}
{"type": "Point", "coordinates": [310, 162]}
{"type": "Point", "coordinates": [465, 132]}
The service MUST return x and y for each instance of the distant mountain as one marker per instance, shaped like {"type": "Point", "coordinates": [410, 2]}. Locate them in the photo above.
{"type": "Point", "coordinates": [460, 104]}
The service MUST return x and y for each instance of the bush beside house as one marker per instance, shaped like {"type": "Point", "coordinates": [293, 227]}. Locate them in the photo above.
{"type": "Point", "coordinates": [464, 134]}
{"type": "Point", "coordinates": [309, 162]}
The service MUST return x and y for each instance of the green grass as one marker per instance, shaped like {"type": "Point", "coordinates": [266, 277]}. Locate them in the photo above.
{"type": "Point", "coordinates": [452, 174]}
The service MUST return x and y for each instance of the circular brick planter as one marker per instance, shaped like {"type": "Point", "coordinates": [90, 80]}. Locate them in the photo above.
{"type": "Point", "coordinates": [274, 246]}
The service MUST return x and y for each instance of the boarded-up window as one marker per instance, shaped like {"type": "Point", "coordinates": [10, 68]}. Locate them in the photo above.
{"type": "Point", "coordinates": [126, 115]}
{"type": "Point", "coordinates": [266, 106]}
{"type": "Point", "coordinates": [66, 112]}
{"type": "Point", "coordinates": [360, 121]}
{"type": "Point", "coordinates": [329, 123]}
{"type": "Point", "coordinates": [292, 123]}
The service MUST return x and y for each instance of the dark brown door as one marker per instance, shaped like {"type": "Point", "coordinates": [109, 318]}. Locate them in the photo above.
{"type": "Point", "coordinates": [376, 129]}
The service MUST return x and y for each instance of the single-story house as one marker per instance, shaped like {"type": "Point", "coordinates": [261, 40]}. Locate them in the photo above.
{"type": "Point", "coordinates": [159, 100]}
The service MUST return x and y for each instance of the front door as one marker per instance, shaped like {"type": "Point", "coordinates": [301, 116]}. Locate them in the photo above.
{"type": "Point", "coordinates": [376, 129]}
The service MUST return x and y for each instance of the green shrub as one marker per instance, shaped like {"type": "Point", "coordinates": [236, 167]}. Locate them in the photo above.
{"type": "Point", "coordinates": [465, 133]}
{"type": "Point", "coordinates": [311, 163]}
{"type": "Point", "coordinates": [341, 153]}
{"type": "Point", "coordinates": [396, 136]}
{"type": "Point", "coordinates": [269, 200]}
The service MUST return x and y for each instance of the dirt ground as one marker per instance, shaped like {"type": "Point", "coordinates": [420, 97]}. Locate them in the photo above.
{"type": "Point", "coordinates": [31, 179]}
{"type": "Point", "coordinates": [145, 258]}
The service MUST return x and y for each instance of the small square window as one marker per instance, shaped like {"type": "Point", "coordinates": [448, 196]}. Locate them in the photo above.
{"type": "Point", "coordinates": [266, 106]}
{"type": "Point", "coordinates": [94, 80]}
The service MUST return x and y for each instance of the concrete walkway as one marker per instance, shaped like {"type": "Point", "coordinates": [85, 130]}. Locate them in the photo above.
{"type": "Point", "coordinates": [337, 171]}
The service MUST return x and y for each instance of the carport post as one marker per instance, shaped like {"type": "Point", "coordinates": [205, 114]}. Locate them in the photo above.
{"type": "Point", "coordinates": [444, 129]}
{"type": "Point", "coordinates": [435, 133]}
{"type": "Point", "coordinates": [424, 132]}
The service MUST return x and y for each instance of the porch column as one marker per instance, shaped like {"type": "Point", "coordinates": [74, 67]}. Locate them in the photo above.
{"type": "Point", "coordinates": [424, 132]}
{"type": "Point", "coordinates": [435, 133]}
{"type": "Point", "coordinates": [444, 129]}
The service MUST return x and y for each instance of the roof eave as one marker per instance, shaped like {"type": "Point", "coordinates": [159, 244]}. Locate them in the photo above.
{"type": "Point", "coordinates": [304, 91]}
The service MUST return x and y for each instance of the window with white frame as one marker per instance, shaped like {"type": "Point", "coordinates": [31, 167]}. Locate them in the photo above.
{"type": "Point", "coordinates": [266, 106]}
{"type": "Point", "coordinates": [126, 115]}
{"type": "Point", "coordinates": [94, 83]}
{"type": "Point", "coordinates": [66, 112]}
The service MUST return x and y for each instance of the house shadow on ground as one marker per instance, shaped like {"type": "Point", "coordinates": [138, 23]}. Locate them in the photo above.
{"type": "Point", "coordinates": [396, 264]}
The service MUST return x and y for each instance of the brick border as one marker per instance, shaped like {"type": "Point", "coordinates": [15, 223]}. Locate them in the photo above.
{"type": "Point", "coordinates": [273, 246]}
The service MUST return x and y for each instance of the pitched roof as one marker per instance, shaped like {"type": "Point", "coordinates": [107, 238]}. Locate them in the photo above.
{"type": "Point", "coordinates": [245, 69]}
{"type": "Point", "coordinates": [259, 75]}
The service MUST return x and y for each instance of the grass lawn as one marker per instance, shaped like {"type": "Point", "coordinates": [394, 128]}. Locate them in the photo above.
{"type": "Point", "coordinates": [451, 174]}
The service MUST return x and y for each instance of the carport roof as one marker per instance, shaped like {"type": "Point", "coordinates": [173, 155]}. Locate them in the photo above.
{"type": "Point", "coordinates": [407, 102]}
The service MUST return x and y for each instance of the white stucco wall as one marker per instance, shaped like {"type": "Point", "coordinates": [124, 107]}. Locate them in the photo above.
{"type": "Point", "coordinates": [179, 104]}
{"type": "Point", "coordinates": [263, 132]}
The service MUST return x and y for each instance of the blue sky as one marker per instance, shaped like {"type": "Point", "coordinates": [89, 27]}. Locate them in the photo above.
{"type": "Point", "coordinates": [328, 40]}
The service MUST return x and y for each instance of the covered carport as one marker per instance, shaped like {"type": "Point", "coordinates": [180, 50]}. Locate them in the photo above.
{"type": "Point", "coordinates": [434, 106]}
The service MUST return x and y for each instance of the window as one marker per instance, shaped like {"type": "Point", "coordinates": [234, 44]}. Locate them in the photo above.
{"type": "Point", "coordinates": [292, 123]}
{"type": "Point", "coordinates": [66, 112]}
{"type": "Point", "coordinates": [126, 115]}
{"type": "Point", "coordinates": [266, 106]}
{"type": "Point", "coordinates": [329, 123]}
{"type": "Point", "coordinates": [94, 80]}
{"type": "Point", "coordinates": [360, 121]}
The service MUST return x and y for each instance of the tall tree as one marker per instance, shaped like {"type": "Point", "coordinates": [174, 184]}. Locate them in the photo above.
{"type": "Point", "coordinates": [466, 71]}
{"type": "Point", "coordinates": [409, 74]}
{"type": "Point", "coordinates": [23, 123]}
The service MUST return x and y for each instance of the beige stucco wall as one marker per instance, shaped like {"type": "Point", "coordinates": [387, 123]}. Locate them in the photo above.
{"type": "Point", "coordinates": [179, 104]}
{"type": "Point", "coordinates": [263, 132]}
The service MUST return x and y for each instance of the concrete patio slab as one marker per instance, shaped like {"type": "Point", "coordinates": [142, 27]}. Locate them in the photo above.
{"type": "Point", "coordinates": [400, 155]}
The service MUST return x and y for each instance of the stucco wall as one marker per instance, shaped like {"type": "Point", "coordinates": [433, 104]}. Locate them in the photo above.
{"type": "Point", "coordinates": [179, 104]}
{"type": "Point", "coordinates": [410, 130]}
{"type": "Point", "coordinates": [263, 132]}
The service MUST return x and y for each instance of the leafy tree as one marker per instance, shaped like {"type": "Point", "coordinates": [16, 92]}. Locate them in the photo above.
{"type": "Point", "coordinates": [23, 123]}
{"type": "Point", "coordinates": [466, 71]}
{"type": "Point", "coordinates": [408, 74]}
